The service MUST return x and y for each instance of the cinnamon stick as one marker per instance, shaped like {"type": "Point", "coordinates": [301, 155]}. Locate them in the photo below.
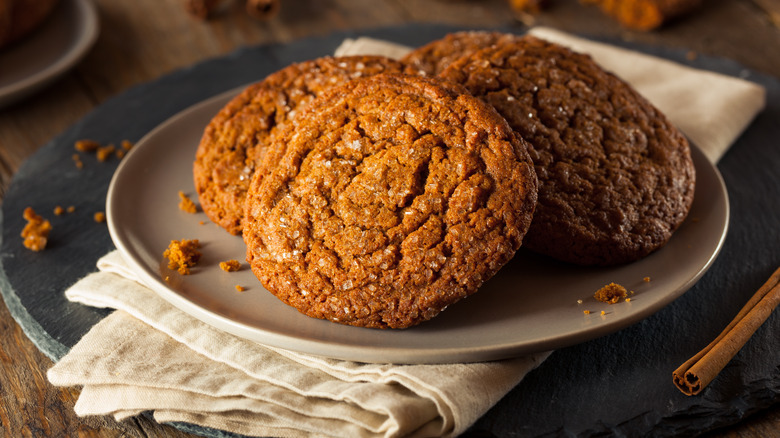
{"type": "Point", "coordinates": [695, 374]}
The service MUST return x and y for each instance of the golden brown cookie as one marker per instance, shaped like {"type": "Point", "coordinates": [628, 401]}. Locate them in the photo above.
{"type": "Point", "coordinates": [432, 58]}
{"type": "Point", "coordinates": [395, 196]}
{"type": "Point", "coordinates": [236, 138]}
{"type": "Point", "coordinates": [616, 178]}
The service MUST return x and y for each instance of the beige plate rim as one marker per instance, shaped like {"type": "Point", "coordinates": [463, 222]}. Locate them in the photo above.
{"type": "Point", "coordinates": [531, 306]}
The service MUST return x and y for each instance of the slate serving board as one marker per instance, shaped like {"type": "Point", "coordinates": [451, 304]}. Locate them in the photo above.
{"type": "Point", "coordinates": [618, 385]}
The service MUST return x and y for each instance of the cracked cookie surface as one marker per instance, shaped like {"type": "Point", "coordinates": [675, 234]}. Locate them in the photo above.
{"type": "Point", "coordinates": [432, 58]}
{"type": "Point", "coordinates": [616, 178]}
{"type": "Point", "coordinates": [392, 197]}
{"type": "Point", "coordinates": [235, 140]}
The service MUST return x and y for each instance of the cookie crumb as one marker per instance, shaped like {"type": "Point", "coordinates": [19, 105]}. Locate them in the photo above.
{"type": "Point", "coordinates": [86, 145]}
{"type": "Point", "coordinates": [77, 161]}
{"type": "Point", "coordinates": [230, 265]}
{"type": "Point", "coordinates": [240, 288]}
{"type": "Point", "coordinates": [603, 313]}
{"type": "Point", "coordinates": [628, 300]}
{"type": "Point", "coordinates": [646, 279]}
{"type": "Point", "coordinates": [99, 217]}
{"type": "Point", "coordinates": [36, 232]}
{"type": "Point", "coordinates": [182, 255]}
{"type": "Point", "coordinates": [579, 301]}
{"type": "Point", "coordinates": [59, 211]}
{"type": "Point", "coordinates": [186, 203]}
{"type": "Point", "coordinates": [587, 312]}
{"type": "Point", "coordinates": [611, 293]}
{"type": "Point", "coordinates": [70, 209]}
{"type": "Point", "coordinates": [104, 153]}
{"type": "Point", "coordinates": [127, 145]}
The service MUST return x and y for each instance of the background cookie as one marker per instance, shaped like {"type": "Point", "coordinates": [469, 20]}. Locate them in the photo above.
{"type": "Point", "coordinates": [235, 139]}
{"type": "Point", "coordinates": [615, 176]}
{"type": "Point", "coordinates": [19, 18]}
{"type": "Point", "coordinates": [396, 196]}
{"type": "Point", "coordinates": [432, 58]}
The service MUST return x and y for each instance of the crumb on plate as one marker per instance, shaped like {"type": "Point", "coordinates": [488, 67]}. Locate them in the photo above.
{"type": "Point", "coordinates": [182, 255]}
{"type": "Point", "coordinates": [230, 265]}
{"type": "Point", "coordinates": [611, 293]}
{"type": "Point", "coordinates": [186, 204]}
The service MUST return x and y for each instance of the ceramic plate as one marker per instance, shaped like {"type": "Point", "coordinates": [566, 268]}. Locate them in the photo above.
{"type": "Point", "coordinates": [61, 41]}
{"type": "Point", "coordinates": [533, 304]}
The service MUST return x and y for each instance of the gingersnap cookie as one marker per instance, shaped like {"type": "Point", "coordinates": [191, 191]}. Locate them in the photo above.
{"type": "Point", "coordinates": [395, 196]}
{"type": "Point", "coordinates": [236, 138]}
{"type": "Point", "coordinates": [616, 178]}
{"type": "Point", "coordinates": [432, 58]}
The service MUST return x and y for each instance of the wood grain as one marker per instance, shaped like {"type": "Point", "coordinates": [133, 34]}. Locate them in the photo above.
{"type": "Point", "coordinates": [143, 39]}
{"type": "Point", "coordinates": [30, 406]}
{"type": "Point", "coordinates": [772, 10]}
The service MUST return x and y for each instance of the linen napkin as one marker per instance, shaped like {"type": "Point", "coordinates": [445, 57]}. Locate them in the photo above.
{"type": "Point", "coordinates": [149, 356]}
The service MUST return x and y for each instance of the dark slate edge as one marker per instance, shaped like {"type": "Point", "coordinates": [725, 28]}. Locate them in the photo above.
{"type": "Point", "coordinates": [761, 393]}
{"type": "Point", "coordinates": [45, 343]}
{"type": "Point", "coordinates": [135, 100]}
{"type": "Point", "coordinates": [139, 103]}
{"type": "Point", "coordinates": [749, 384]}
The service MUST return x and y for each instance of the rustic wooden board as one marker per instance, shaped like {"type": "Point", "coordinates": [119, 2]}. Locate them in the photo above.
{"type": "Point", "coordinates": [616, 384]}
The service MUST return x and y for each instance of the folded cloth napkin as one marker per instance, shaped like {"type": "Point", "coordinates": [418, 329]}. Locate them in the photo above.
{"type": "Point", "coordinates": [149, 356]}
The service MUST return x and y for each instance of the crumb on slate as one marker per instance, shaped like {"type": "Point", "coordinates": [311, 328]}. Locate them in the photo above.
{"type": "Point", "coordinates": [36, 231]}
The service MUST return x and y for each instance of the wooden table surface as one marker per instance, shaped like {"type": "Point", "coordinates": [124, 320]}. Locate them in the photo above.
{"type": "Point", "coordinates": [141, 40]}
